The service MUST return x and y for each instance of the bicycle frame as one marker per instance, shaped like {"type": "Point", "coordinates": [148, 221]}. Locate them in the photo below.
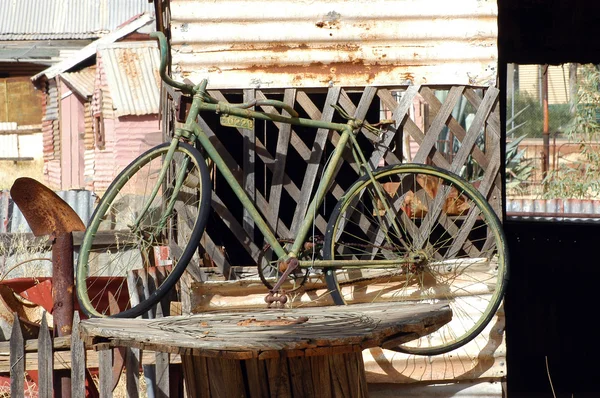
{"type": "Point", "coordinates": [193, 132]}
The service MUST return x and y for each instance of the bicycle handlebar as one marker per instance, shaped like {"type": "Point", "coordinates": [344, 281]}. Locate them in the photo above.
{"type": "Point", "coordinates": [201, 88]}
{"type": "Point", "coordinates": [164, 49]}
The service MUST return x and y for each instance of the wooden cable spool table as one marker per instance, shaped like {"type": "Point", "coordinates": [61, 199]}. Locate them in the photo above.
{"type": "Point", "coordinates": [302, 352]}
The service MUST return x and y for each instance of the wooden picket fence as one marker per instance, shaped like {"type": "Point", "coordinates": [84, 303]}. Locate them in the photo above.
{"type": "Point", "coordinates": [97, 369]}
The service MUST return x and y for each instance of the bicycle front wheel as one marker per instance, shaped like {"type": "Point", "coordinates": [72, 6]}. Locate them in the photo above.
{"type": "Point", "coordinates": [143, 233]}
{"type": "Point", "coordinates": [448, 241]}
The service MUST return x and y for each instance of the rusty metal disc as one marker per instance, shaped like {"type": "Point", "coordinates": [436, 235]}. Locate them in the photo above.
{"type": "Point", "coordinates": [44, 210]}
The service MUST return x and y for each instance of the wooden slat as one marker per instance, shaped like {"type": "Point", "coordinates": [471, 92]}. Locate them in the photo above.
{"type": "Point", "coordinates": [278, 378]}
{"type": "Point", "coordinates": [453, 125]}
{"type": "Point", "coordinates": [225, 378]}
{"type": "Point", "coordinates": [162, 375]}
{"type": "Point", "coordinates": [438, 123]}
{"type": "Point", "coordinates": [314, 161]}
{"type": "Point", "coordinates": [249, 165]}
{"type": "Point", "coordinates": [132, 372]}
{"type": "Point", "coordinates": [415, 132]}
{"type": "Point", "coordinates": [234, 226]}
{"type": "Point", "coordinates": [283, 143]}
{"type": "Point", "coordinates": [481, 116]}
{"type": "Point", "coordinates": [400, 112]}
{"type": "Point", "coordinates": [17, 360]}
{"type": "Point", "coordinates": [105, 371]}
{"type": "Point", "coordinates": [77, 360]}
{"type": "Point", "coordinates": [45, 361]}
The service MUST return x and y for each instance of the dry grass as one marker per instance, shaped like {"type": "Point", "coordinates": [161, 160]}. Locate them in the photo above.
{"type": "Point", "coordinates": [121, 390]}
{"type": "Point", "coordinates": [24, 256]}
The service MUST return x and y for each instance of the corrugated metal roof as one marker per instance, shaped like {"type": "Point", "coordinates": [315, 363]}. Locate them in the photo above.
{"type": "Point", "coordinates": [132, 73]}
{"type": "Point", "coordinates": [12, 220]}
{"type": "Point", "coordinates": [284, 43]}
{"type": "Point", "coordinates": [554, 209]}
{"type": "Point", "coordinates": [82, 81]}
{"type": "Point", "coordinates": [65, 19]}
{"type": "Point", "coordinates": [90, 49]}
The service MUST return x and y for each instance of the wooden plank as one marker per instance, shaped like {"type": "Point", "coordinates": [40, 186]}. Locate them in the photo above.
{"type": "Point", "coordinates": [314, 162]}
{"type": "Point", "coordinates": [360, 111]}
{"type": "Point", "coordinates": [132, 372]}
{"type": "Point", "coordinates": [162, 375]}
{"type": "Point", "coordinates": [301, 378]}
{"type": "Point", "coordinates": [256, 375]}
{"type": "Point", "coordinates": [225, 378]}
{"type": "Point", "coordinates": [216, 254]}
{"type": "Point", "coordinates": [77, 360]}
{"type": "Point", "coordinates": [400, 113]}
{"type": "Point", "coordinates": [105, 371]}
{"type": "Point", "coordinates": [17, 360]}
{"type": "Point", "coordinates": [240, 334]}
{"type": "Point", "coordinates": [453, 125]}
{"type": "Point", "coordinates": [356, 373]}
{"type": "Point", "coordinates": [278, 378]}
{"type": "Point", "coordinates": [283, 142]}
{"type": "Point", "coordinates": [45, 361]}
{"type": "Point", "coordinates": [481, 116]}
{"type": "Point", "coordinates": [438, 123]}
{"type": "Point", "coordinates": [234, 226]}
{"type": "Point", "coordinates": [320, 375]}
{"type": "Point", "coordinates": [249, 161]}
{"type": "Point", "coordinates": [438, 159]}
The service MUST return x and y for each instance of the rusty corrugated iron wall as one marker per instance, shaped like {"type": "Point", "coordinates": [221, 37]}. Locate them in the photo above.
{"type": "Point", "coordinates": [242, 44]}
{"type": "Point", "coordinates": [132, 75]}
{"type": "Point", "coordinates": [125, 97]}
{"type": "Point", "coordinates": [51, 134]}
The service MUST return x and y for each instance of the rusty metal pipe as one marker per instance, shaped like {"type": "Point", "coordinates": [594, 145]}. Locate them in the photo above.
{"type": "Point", "coordinates": [63, 282]}
{"type": "Point", "coordinates": [63, 285]}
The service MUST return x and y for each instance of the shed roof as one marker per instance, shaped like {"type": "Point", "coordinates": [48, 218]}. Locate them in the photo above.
{"type": "Point", "coordinates": [132, 74]}
{"type": "Point", "coordinates": [90, 50]}
{"type": "Point", "coordinates": [65, 19]}
{"type": "Point", "coordinates": [81, 81]}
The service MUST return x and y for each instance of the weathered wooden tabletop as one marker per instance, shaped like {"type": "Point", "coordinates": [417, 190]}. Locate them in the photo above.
{"type": "Point", "coordinates": [266, 333]}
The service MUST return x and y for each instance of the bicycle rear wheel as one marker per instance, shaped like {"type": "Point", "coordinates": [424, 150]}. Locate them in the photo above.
{"type": "Point", "coordinates": [123, 270]}
{"type": "Point", "coordinates": [449, 240]}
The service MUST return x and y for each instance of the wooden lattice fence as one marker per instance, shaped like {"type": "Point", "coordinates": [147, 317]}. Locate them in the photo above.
{"type": "Point", "coordinates": [279, 165]}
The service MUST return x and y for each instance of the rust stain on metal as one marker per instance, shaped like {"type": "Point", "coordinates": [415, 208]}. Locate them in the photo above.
{"type": "Point", "coordinates": [329, 73]}
{"type": "Point", "coordinates": [43, 209]}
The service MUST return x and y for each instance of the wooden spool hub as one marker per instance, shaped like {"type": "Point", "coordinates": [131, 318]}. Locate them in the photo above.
{"type": "Point", "coordinates": [304, 352]}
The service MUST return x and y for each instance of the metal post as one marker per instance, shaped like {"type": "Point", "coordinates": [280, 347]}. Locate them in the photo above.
{"type": "Point", "coordinates": [546, 128]}
{"type": "Point", "coordinates": [63, 286]}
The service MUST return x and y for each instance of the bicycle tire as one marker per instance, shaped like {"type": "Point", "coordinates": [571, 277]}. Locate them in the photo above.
{"type": "Point", "coordinates": [110, 274]}
{"type": "Point", "coordinates": [441, 218]}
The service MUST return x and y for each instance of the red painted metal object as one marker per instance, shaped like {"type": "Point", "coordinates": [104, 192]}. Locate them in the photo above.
{"type": "Point", "coordinates": [39, 290]}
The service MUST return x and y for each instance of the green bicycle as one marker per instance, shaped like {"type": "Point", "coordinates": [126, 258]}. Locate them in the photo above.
{"type": "Point", "coordinates": [403, 233]}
